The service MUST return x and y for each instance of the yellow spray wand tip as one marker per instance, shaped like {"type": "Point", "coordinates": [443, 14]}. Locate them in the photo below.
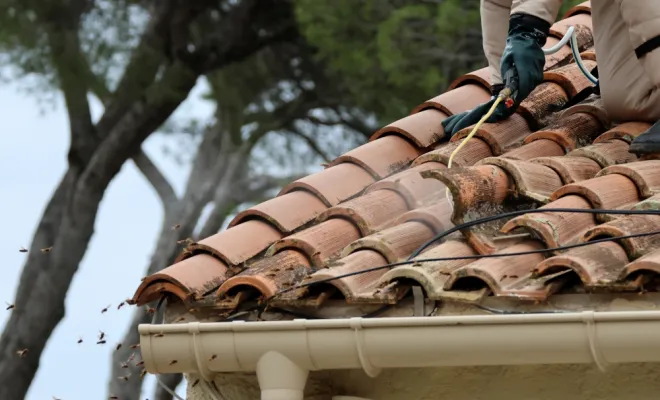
{"type": "Point", "coordinates": [503, 96]}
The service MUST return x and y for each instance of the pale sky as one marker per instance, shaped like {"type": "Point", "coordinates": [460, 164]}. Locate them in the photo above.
{"type": "Point", "coordinates": [32, 160]}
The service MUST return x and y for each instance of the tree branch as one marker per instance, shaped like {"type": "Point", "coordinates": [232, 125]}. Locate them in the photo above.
{"type": "Point", "coordinates": [71, 65]}
{"type": "Point", "coordinates": [156, 179]}
{"type": "Point", "coordinates": [172, 381]}
{"type": "Point", "coordinates": [311, 143]}
{"type": "Point", "coordinates": [141, 70]}
{"type": "Point", "coordinates": [282, 116]}
{"type": "Point", "coordinates": [251, 25]}
{"type": "Point", "coordinates": [246, 190]}
{"type": "Point", "coordinates": [144, 164]}
{"type": "Point", "coordinates": [144, 116]}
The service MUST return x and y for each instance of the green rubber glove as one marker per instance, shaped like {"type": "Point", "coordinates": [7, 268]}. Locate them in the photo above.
{"type": "Point", "coordinates": [522, 66]}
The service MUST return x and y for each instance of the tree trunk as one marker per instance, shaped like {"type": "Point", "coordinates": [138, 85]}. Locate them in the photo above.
{"type": "Point", "coordinates": [67, 226]}
{"type": "Point", "coordinates": [216, 162]}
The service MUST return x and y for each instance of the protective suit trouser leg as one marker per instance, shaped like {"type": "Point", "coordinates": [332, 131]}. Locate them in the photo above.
{"type": "Point", "coordinates": [627, 91]}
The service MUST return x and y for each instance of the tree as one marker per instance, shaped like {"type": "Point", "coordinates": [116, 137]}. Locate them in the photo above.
{"type": "Point", "coordinates": [68, 45]}
{"type": "Point", "coordinates": [393, 54]}
{"type": "Point", "coordinates": [264, 96]}
{"type": "Point", "coordinates": [321, 64]}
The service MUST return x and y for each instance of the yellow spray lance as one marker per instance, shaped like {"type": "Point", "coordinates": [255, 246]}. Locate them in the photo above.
{"type": "Point", "coordinates": [511, 88]}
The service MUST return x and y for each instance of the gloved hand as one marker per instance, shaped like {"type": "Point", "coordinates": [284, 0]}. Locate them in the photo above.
{"type": "Point", "coordinates": [521, 66]}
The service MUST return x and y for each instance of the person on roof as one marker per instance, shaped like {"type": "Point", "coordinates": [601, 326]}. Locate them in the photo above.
{"type": "Point", "coordinates": [627, 42]}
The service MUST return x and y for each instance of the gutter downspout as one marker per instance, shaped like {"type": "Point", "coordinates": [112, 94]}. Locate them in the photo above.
{"type": "Point", "coordinates": [282, 352]}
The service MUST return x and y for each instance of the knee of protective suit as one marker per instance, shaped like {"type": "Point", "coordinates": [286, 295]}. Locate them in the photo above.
{"type": "Point", "coordinates": [626, 105]}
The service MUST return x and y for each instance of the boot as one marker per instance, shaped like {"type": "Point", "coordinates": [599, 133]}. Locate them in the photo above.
{"type": "Point", "coordinates": [648, 142]}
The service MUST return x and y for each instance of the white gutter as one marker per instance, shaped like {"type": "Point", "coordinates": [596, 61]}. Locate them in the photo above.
{"type": "Point", "coordinates": [283, 352]}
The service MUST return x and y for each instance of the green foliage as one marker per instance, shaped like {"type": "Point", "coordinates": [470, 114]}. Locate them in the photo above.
{"type": "Point", "coordinates": [109, 30]}
{"type": "Point", "coordinates": [567, 4]}
{"type": "Point", "coordinates": [391, 55]}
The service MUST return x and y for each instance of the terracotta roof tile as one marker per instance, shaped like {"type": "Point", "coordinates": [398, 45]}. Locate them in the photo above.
{"type": "Point", "coordinates": [191, 277]}
{"type": "Point", "coordinates": [354, 289]}
{"type": "Point", "coordinates": [583, 29]}
{"type": "Point", "coordinates": [423, 128]}
{"type": "Point", "coordinates": [321, 242]}
{"type": "Point", "coordinates": [376, 204]}
{"type": "Point", "coordinates": [457, 100]}
{"type": "Point", "coordinates": [605, 192]}
{"type": "Point", "coordinates": [647, 265]}
{"type": "Point", "coordinates": [578, 9]}
{"type": "Point", "coordinates": [606, 153]}
{"type": "Point", "coordinates": [382, 157]}
{"type": "Point", "coordinates": [544, 101]}
{"type": "Point", "coordinates": [481, 77]}
{"type": "Point", "coordinates": [555, 229]}
{"type": "Point", "coordinates": [394, 243]}
{"type": "Point", "coordinates": [230, 245]}
{"type": "Point", "coordinates": [474, 187]}
{"type": "Point", "coordinates": [411, 185]}
{"type": "Point", "coordinates": [589, 54]}
{"type": "Point", "coordinates": [371, 212]}
{"type": "Point", "coordinates": [571, 132]}
{"type": "Point", "coordinates": [473, 151]}
{"type": "Point", "coordinates": [645, 174]}
{"type": "Point", "coordinates": [501, 136]}
{"type": "Point", "coordinates": [432, 276]}
{"type": "Point", "coordinates": [334, 184]}
{"type": "Point", "coordinates": [561, 57]}
{"type": "Point", "coordinates": [504, 275]}
{"type": "Point", "coordinates": [570, 77]}
{"type": "Point", "coordinates": [287, 212]}
{"type": "Point", "coordinates": [626, 131]}
{"type": "Point", "coordinates": [594, 106]}
{"type": "Point", "coordinates": [570, 169]}
{"type": "Point", "coordinates": [598, 266]}
{"type": "Point", "coordinates": [633, 224]}
{"type": "Point", "coordinates": [535, 149]}
{"type": "Point", "coordinates": [535, 181]}
{"type": "Point", "coordinates": [264, 278]}
{"type": "Point", "coordinates": [437, 216]}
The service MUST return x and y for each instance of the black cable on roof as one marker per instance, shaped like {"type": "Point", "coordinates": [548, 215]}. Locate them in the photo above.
{"type": "Point", "coordinates": [480, 256]}
{"type": "Point", "coordinates": [523, 212]}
